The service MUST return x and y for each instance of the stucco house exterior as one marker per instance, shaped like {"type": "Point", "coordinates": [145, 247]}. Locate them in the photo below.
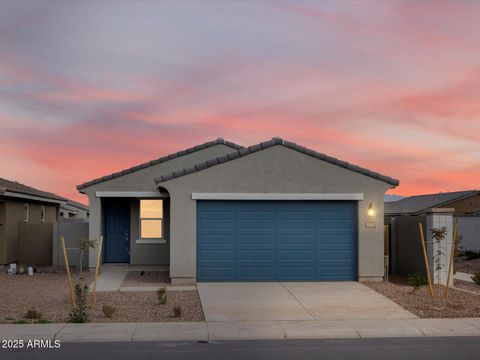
{"type": "Point", "coordinates": [223, 212]}
{"type": "Point", "coordinates": [20, 203]}
{"type": "Point", "coordinates": [74, 210]}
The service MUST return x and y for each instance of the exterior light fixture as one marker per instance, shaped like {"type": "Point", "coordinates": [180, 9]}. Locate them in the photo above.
{"type": "Point", "coordinates": [371, 210]}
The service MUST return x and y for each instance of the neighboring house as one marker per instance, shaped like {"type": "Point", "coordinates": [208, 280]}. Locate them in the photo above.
{"type": "Point", "coordinates": [463, 202]}
{"type": "Point", "coordinates": [74, 210]}
{"type": "Point", "coordinates": [22, 203]}
{"type": "Point", "coordinates": [466, 213]}
{"type": "Point", "coordinates": [222, 212]}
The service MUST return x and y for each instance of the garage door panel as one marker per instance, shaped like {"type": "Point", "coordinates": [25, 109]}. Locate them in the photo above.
{"type": "Point", "coordinates": [257, 272]}
{"type": "Point", "coordinates": [276, 240]}
{"type": "Point", "coordinates": [256, 240]}
{"type": "Point", "coordinates": [296, 273]}
{"type": "Point", "coordinates": [257, 255]}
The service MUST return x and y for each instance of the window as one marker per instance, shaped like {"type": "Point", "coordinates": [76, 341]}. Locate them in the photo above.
{"type": "Point", "coordinates": [25, 212]}
{"type": "Point", "coordinates": [42, 213]}
{"type": "Point", "coordinates": [151, 219]}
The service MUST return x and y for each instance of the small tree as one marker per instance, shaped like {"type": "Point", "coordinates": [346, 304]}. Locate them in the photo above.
{"type": "Point", "coordinates": [84, 245]}
{"type": "Point", "coordinates": [438, 235]}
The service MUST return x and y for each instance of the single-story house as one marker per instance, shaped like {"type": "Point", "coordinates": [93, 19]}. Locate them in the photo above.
{"type": "Point", "coordinates": [463, 205]}
{"type": "Point", "coordinates": [74, 210]}
{"type": "Point", "coordinates": [223, 212]}
{"type": "Point", "coordinates": [21, 203]}
{"type": "Point", "coordinates": [464, 202]}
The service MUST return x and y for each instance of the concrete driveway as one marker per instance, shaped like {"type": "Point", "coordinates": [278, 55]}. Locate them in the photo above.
{"type": "Point", "coordinates": [296, 301]}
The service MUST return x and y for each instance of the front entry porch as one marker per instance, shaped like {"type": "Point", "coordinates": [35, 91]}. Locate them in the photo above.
{"type": "Point", "coordinates": [135, 234]}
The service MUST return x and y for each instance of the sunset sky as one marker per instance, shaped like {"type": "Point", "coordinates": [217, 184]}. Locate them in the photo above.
{"type": "Point", "coordinates": [89, 88]}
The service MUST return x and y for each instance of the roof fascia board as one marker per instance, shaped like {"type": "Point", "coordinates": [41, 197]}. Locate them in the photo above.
{"type": "Point", "coordinates": [13, 194]}
{"type": "Point", "coordinates": [277, 196]}
{"type": "Point", "coordinates": [131, 194]}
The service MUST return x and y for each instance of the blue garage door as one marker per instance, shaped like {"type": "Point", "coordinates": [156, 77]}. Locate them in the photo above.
{"type": "Point", "coordinates": [276, 240]}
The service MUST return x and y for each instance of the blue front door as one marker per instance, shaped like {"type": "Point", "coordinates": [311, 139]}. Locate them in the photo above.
{"type": "Point", "coordinates": [276, 240]}
{"type": "Point", "coordinates": [116, 230]}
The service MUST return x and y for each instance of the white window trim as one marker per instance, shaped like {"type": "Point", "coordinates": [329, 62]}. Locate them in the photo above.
{"type": "Point", "coordinates": [151, 241]}
{"type": "Point", "coordinates": [277, 196]}
{"type": "Point", "coordinates": [27, 212]}
{"type": "Point", "coordinates": [42, 214]}
{"type": "Point", "coordinates": [160, 240]}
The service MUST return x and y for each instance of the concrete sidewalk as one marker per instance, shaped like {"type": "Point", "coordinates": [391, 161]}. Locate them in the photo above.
{"type": "Point", "coordinates": [243, 330]}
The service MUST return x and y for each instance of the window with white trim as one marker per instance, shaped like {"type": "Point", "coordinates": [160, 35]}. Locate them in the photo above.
{"type": "Point", "coordinates": [151, 219]}
{"type": "Point", "coordinates": [25, 212]}
{"type": "Point", "coordinates": [42, 213]}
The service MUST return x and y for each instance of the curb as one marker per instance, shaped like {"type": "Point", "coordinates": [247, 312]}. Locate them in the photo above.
{"type": "Point", "coordinates": [242, 330]}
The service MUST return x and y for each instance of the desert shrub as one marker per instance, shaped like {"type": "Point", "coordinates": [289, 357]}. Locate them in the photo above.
{"type": "Point", "coordinates": [108, 311]}
{"type": "Point", "coordinates": [21, 322]}
{"type": "Point", "coordinates": [416, 280]}
{"type": "Point", "coordinates": [177, 311]}
{"type": "Point", "coordinates": [42, 321]}
{"type": "Point", "coordinates": [162, 296]}
{"type": "Point", "coordinates": [471, 255]}
{"type": "Point", "coordinates": [80, 313]}
{"type": "Point", "coordinates": [33, 314]}
{"type": "Point", "coordinates": [476, 278]}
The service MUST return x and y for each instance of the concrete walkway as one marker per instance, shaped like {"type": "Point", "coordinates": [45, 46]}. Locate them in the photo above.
{"type": "Point", "coordinates": [296, 301]}
{"type": "Point", "coordinates": [463, 276]}
{"type": "Point", "coordinates": [243, 330]}
{"type": "Point", "coordinates": [110, 280]}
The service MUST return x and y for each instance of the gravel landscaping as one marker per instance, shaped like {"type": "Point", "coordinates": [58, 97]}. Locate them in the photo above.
{"type": "Point", "coordinates": [47, 294]}
{"type": "Point", "coordinates": [459, 303]}
{"type": "Point", "coordinates": [147, 278]}
{"type": "Point", "coordinates": [467, 266]}
{"type": "Point", "coordinates": [467, 286]}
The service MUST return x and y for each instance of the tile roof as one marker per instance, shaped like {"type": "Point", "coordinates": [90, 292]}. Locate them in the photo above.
{"type": "Point", "coordinates": [420, 203]}
{"type": "Point", "coordinates": [16, 187]}
{"type": "Point", "coordinates": [159, 161]}
{"type": "Point", "coordinates": [73, 205]}
{"type": "Point", "coordinates": [266, 145]}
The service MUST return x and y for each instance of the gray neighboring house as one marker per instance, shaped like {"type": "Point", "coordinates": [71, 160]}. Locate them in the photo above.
{"type": "Point", "coordinates": [74, 210]}
{"type": "Point", "coordinates": [464, 202]}
{"type": "Point", "coordinates": [224, 212]}
{"type": "Point", "coordinates": [465, 207]}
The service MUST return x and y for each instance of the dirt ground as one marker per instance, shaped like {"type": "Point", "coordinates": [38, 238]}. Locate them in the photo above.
{"type": "Point", "coordinates": [146, 278]}
{"type": "Point", "coordinates": [47, 294]}
{"type": "Point", "coordinates": [419, 302]}
{"type": "Point", "coordinates": [467, 266]}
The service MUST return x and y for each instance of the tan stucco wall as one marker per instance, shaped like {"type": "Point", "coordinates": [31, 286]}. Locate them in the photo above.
{"type": "Point", "coordinates": [143, 180]}
{"type": "Point", "coordinates": [14, 212]}
{"type": "Point", "coordinates": [274, 170]}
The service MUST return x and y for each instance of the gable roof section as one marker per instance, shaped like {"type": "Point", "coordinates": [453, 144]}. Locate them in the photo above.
{"type": "Point", "coordinates": [13, 187]}
{"type": "Point", "coordinates": [74, 205]}
{"type": "Point", "coordinates": [420, 203]}
{"type": "Point", "coordinates": [163, 159]}
{"type": "Point", "coordinates": [267, 144]}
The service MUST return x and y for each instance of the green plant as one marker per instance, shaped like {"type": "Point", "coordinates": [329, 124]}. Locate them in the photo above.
{"type": "Point", "coordinates": [85, 244]}
{"type": "Point", "coordinates": [471, 255]}
{"type": "Point", "coordinates": [416, 280]}
{"type": "Point", "coordinates": [42, 321]}
{"type": "Point", "coordinates": [33, 314]}
{"type": "Point", "coordinates": [162, 296]}
{"type": "Point", "coordinates": [108, 311]}
{"type": "Point", "coordinates": [476, 278]}
{"type": "Point", "coordinates": [177, 311]}
{"type": "Point", "coordinates": [21, 322]}
{"type": "Point", "coordinates": [80, 314]}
